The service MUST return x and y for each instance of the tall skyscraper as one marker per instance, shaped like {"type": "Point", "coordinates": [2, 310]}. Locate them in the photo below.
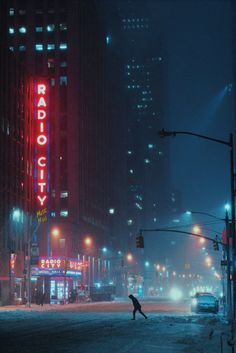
{"type": "Point", "coordinates": [144, 73]}
{"type": "Point", "coordinates": [54, 133]}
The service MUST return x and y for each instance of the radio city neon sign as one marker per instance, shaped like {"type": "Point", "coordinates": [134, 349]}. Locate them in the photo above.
{"type": "Point", "coordinates": [41, 112]}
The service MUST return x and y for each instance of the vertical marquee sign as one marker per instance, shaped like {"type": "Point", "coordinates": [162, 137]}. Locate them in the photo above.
{"type": "Point", "coordinates": [41, 95]}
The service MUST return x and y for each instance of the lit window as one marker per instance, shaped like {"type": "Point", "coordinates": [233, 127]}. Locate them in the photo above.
{"type": "Point", "coordinates": [129, 152]}
{"type": "Point", "coordinates": [64, 213]}
{"type": "Point", "coordinates": [63, 80]}
{"type": "Point", "coordinates": [53, 214]}
{"type": "Point", "coordinates": [53, 81]}
{"type": "Point", "coordinates": [50, 46]}
{"type": "Point", "coordinates": [63, 26]}
{"type": "Point", "coordinates": [50, 28]}
{"type": "Point", "coordinates": [63, 64]}
{"type": "Point", "coordinates": [150, 146]}
{"type": "Point", "coordinates": [11, 11]}
{"type": "Point", "coordinates": [11, 48]}
{"type": "Point", "coordinates": [146, 161]}
{"type": "Point", "coordinates": [63, 46]}
{"type": "Point", "coordinates": [64, 194]}
{"type": "Point", "coordinates": [131, 171]}
{"type": "Point", "coordinates": [22, 48]}
{"type": "Point", "coordinates": [11, 30]}
{"type": "Point", "coordinates": [39, 47]}
{"type": "Point", "coordinates": [138, 205]}
{"type": "Point", "coordinates": [22, 30]}
{"type": "Point", "coordinates": [129, 222]}
{"type": "Point", "coordinates": [108, 39]}
{"type": "Point", "coordinates": [50, 63]}
{"type": "Point", "coordinates": [39, 29]}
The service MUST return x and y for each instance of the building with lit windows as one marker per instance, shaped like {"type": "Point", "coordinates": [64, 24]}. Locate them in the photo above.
{"type": "Point", "coordinates": [54, 134]}
{"type": "Point", "coordinates": [144, 72]}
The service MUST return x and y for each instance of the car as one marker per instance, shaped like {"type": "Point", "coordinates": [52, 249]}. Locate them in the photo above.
{"type": "Point", "coordinates": [204, 302]}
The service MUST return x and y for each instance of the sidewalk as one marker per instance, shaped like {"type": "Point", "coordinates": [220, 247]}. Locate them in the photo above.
{"type": "Point", "coordinates": [35, 307]}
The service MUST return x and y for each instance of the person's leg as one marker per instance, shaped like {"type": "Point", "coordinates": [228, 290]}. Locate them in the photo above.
{"type": "Point", "coordinates": [142, 313]}
{"type": "Point", "coordinates": [134, 311]}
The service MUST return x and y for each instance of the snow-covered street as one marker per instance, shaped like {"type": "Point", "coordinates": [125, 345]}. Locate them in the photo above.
{"type": "Point", "coordinates": [108, 328]}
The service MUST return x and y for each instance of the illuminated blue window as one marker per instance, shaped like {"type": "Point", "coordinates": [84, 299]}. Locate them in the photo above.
{"type": "Point", "coordinates": [39, 47]}
{"type": "Point", "coordinates": [63, 80]}
{"type": "Point", "coordinates": [63, 46]}
{"type": "Point", "coordinates": [108, 39]}
{"type": "Point", "coordinates": [11, 48]}
{"type": "Point", "coordinates": [39, 29]}
{"type": "Point", "coordinates": [53, 214]}
{"type": "Point", "coordinates": [22, 48]}
{"type": "Point", "coordinates": [11, 30]}
{"type": "Point", "coordinates": [64, 213]}
{"type": "Point", "coordinates": [150, 146]}
{"type": "Point", "coordinates": [50, 46]}
{"type": "Point", "coordinates": [64, 194]}
{"type": "Point", "coordinates": [50, 28]}
{"type": "Point", "coordinates": [11, 11]}
{"type": "Point", "coordinates": [22, 30]}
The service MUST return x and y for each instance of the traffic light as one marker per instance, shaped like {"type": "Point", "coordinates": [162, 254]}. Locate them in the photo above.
{"type": "Point", "coordinates": [139, 241]}
{"type": "Point", "coordinates": [215, 245]}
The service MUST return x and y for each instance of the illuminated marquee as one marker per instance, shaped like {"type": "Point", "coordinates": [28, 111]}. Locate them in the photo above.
{"type": "Point", "coordinates": [42, 138]}
{"type": "Point", "coordinates": [61, 263]}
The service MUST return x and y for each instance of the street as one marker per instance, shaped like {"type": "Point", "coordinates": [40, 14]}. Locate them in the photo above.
{"type": "Point", "coordinates": [107, 327]}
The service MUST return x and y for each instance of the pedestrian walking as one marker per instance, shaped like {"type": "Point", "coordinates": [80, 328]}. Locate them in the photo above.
{"type": "Point", "coordinates": [137, 306]}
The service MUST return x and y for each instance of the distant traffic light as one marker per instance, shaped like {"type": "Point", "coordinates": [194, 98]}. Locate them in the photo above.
{"type": "Point", "coordinates": [215, 245]}
{"type": "Point", "coordinates": [139, 241]}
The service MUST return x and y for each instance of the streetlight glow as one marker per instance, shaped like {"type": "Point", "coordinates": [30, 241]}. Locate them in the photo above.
{"type": "Point", "coordinates": [55, 232]}
{"type": "Point", "coordinates": [88, 241]}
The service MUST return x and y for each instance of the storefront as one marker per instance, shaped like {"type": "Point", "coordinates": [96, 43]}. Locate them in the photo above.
{"type": "Point", "coordinates": [59, 278]}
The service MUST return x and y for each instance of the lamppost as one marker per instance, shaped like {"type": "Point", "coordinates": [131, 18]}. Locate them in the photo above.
{"type": "Point", "coordinates": [230, 144]}
{"type": "Point", "coordinates": [226, 248]}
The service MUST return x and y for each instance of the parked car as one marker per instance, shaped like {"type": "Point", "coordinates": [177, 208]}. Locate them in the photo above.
{"type": "Point", "coordinates": [205, 302]}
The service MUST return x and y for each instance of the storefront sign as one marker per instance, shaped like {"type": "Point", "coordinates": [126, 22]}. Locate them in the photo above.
{"type": "Point", "coordinates": [61, 263]}
{"type": "Point", "coordinates": [50, 262]}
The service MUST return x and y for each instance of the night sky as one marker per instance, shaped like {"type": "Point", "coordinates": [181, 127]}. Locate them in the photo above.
{"type": "Point", "coordinates": [197, 36]}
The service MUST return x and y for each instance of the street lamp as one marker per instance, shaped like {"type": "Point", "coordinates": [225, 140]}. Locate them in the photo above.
{"type": "Point", "coordinates": [230, 144]}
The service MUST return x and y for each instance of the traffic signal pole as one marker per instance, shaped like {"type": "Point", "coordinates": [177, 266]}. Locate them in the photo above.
{"type": "Point", "coordinates": [230, 144]}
